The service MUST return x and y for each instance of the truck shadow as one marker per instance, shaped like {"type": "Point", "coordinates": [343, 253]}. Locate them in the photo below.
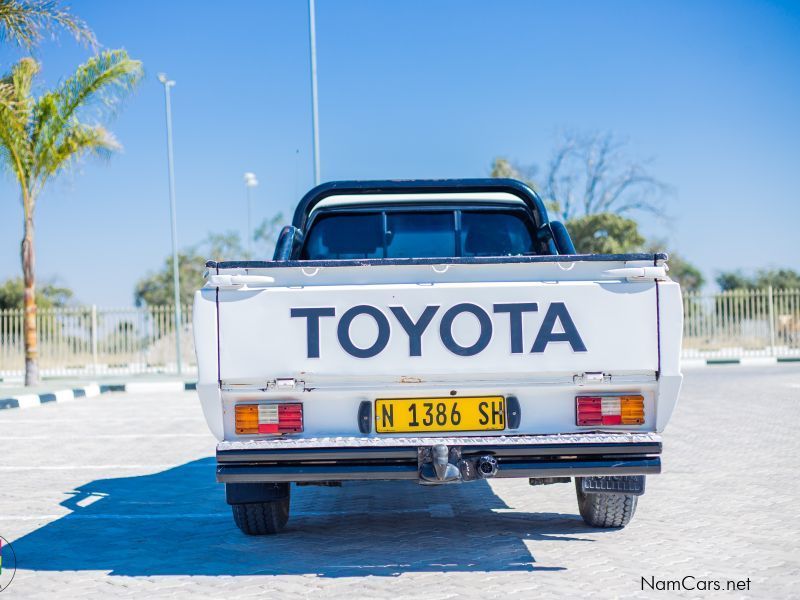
{"type": "Point", "coordinates": [176, 522]}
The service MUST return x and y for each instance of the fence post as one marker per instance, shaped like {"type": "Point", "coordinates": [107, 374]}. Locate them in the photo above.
{"type": "Point", "coordinates": [771, 315]}
{"type": "Point", "coordinates": [94, 338]}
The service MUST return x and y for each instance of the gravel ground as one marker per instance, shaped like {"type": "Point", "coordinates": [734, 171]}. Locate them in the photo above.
{"type": "Point", "coordinates": [115, 496]}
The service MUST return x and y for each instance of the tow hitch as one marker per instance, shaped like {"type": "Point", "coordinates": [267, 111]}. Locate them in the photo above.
{"type": "Point", "coordinates": [439, 464]}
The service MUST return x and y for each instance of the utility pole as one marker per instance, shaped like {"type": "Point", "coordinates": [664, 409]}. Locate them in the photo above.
{"type": "Point", "coordinates": [250, 181]}
{"type": "Point", "coordinates": [312, 37]}
{"type": "Point", "coordinates": [176, 283]}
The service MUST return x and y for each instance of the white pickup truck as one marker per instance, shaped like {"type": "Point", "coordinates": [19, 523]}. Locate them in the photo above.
{"type": "Point", "coordinates": [439, 332]}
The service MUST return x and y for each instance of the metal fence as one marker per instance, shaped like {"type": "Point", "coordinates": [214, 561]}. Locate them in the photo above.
{"type": "Point", "coordinates": [107, 341]}
{"type": "Point", "coordinates": [98, 341]}
{"type": "Point", "coordinates": [740, 323]}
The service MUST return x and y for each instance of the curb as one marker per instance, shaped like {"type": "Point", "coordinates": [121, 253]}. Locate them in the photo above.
{"type": "Point", "coordinates": [94, 389]}
{"type": "Point", "coordinates": [751, 361]}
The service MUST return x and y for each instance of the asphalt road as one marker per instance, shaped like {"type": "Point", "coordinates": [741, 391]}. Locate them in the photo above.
{"type": "Point", "coordinates": [115, 496]}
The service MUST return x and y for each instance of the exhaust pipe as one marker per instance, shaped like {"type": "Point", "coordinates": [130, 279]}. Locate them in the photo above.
{"type": "Point", "coordinates": [487, 466]}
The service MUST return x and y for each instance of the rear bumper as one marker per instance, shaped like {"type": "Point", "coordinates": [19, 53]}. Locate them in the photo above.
{"type": "Point", "coordinates": [394, 458]}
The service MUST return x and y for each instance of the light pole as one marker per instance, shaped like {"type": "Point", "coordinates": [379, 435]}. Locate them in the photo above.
{"type": "Point", "coordinates": [176, 283]}
{"type": "Point", "coordinates": [312, 39]}
{"type": "Point", "coordinates": [250, 182]}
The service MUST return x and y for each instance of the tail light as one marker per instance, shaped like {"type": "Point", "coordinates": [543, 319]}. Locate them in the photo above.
{"type": "Point", "coordinates": [609, 410]}
{"type": "Point", "coordinates": [269, 418]}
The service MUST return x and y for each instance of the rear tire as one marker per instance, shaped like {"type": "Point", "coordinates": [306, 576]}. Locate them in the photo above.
{"type": "Point", "coordinates": [261, 518]}
{"type": "Point", "coordinates": [605, 510]}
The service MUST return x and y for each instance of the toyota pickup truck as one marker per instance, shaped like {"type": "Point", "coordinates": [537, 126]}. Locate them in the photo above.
{"type": "Point", "coordinates": [440, 332]}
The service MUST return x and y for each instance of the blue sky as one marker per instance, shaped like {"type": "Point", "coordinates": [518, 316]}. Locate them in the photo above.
{"type": "Point", "coordinates": [415, 89]}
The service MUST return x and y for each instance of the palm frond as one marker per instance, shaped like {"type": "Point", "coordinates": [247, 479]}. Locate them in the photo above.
{"type": "Point", "coordinates": [77, 141]}
{"type": "Point", "coordinates": [104, 79]}
{"type": "Point", "coordinates": [16, 110]}
{"type": "Point", "coordinates": [21, 78]}
{"type": "Point", "coordinates": [25, 22]}
{"type": "Point", "coordinates": [40, 137]}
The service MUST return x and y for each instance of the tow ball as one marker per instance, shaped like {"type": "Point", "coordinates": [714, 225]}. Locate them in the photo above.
{"type": "Point", "coordinates": [439, 464]}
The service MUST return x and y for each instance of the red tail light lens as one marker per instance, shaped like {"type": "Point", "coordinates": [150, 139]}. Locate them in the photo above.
{"type": "Point", "coordinates": [269, 418]}
{"type": "Point", "coordinates": [290, 418]}
{"type": "Point", "coordinates": [609, 410]}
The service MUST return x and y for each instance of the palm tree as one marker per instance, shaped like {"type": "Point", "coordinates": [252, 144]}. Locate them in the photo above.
{"type": "Point", "coordinates": [24, 22]}
{"type": "Point", "coordinates": [39, 137]}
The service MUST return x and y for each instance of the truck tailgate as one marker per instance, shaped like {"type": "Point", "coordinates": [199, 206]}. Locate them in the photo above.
{"type": "Point", "coordinates": [416, 323]}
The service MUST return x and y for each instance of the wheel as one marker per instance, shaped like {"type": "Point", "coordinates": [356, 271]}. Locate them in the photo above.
{"type": "Point", "coordinates": [261, 518]}
{"type": "Point", "coordinates": [605, 510]}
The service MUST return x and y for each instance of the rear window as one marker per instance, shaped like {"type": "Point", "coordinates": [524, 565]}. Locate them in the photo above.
{"type": "Point", "coordinates": [419, 234]}
{"type": "Point", "coordinates": [494, 234]}
{"type": "Point", "coordinates": [412, 235]}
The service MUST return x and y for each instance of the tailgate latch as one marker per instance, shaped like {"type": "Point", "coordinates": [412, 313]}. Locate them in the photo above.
{"type": "Point", "coordinates": [591, 377]}
{"type": "Point", "coordinates": [285, 384]}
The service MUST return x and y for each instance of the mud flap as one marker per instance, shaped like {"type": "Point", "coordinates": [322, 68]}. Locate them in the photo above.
{"type": "Point", "coordinates": [613, 484]}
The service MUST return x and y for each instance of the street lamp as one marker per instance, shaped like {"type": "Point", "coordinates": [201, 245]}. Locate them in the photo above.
{"type": "Point", "coordinates": [176, 284]}
{"type": "Point", "coordinates": [250, 182]}
{"type": "Point", "coordinates": [312, 42]}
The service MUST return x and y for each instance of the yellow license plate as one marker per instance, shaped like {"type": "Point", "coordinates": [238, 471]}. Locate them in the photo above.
{"type": "Point", "coordinates": [412, 415]}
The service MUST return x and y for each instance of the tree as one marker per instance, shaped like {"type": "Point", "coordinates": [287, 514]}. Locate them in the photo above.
{"type": "Point", "coordinates": [588, 181]}
{"type": "Point", "coordinates": [40, 137]}
{"type": "Point", "coordinates": [681, 270]}
{"type": "Point", "coordinates": [734, 280]}
{"type": "Point", "coordinates": [505, 169]}
{"type": "Point", "coordinates": [267, 233]}
{"type": "Point", "coordinates": [50, 295]}
{"type": "Point", "coordinates": [156, 289]}
{"type": "Point", "coordinates": [591, 173]}
{"type": "Point", "coordinates": [609, 233]}
{"type": "Point", "coordinates": [605, 233]}
{"type": "Point", "coordinates": [685, 273]}
{"type": "Point", "coordinates": [777, 278]}
{"type": "Point", "coordinates": [220, 246]}
{"type": "Point", "coordinates": [25, 22]}
{"type": "Point", "coordinates": [594, 187]}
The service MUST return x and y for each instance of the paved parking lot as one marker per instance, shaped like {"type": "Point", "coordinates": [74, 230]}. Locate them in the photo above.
{"type": "Point", "coordinates": [115, 496]}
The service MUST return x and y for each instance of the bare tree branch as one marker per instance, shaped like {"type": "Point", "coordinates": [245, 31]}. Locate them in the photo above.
{"type": "Point", "coordinates": [590, 174]}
